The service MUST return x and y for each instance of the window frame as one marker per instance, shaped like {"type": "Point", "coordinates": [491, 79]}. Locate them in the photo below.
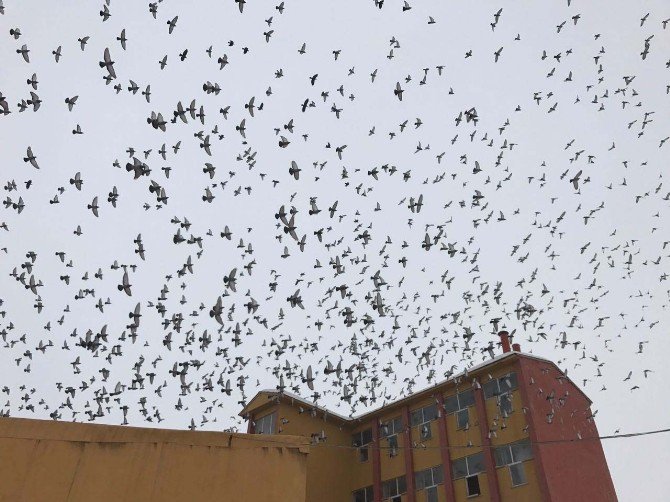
{"type": "Point", "coordinates": [368, 494]}
{"type": "Point", "coordinates": [434, 493]}
{"type": "Point", "coordinates": [390, 430]}
{"type": "Point", "coordinates": [260, 422]}
{"type": "Point", "coordinates": [467, 486]}
{"type": "Point", "coordinates": [463, 404]}
{"type": "Point", "coordinates": [523, 473]}
{"type": "Point", "coordinates": [458, 415]}
{"type": "Point", "coordinates": [468, 460]}
{"type": "Point", "coordinates": [499, 390]}
{"type": "Point", "coordinates": [398, 490]}
{"type": "Point", "coordinates": [423, 409]}
{"type": "Point", "coordinates": [511, 454]}
{"type": "Point", "coordinates": [419, 477]}
{"type": "Point", "coordinates": [423, 421]}
{"type": "Point", "coordinates": [358, 441]}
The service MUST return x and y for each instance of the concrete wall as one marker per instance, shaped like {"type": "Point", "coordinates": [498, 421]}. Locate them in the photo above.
{"type": "Point", "coordinates": [57, 461]}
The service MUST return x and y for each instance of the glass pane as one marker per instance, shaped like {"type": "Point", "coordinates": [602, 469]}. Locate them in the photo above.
{"type": "Point", "coordinates": [397, 425]}
{"type": "Point", "coordinates": [438, 475]}
{"type": "Point", "coordinates": [502, 456]}
{"type": "Point", "coordinates": [459, 468]}
{"type": "Point", "coordinates": [451, 404]}
{"type": "Point", "coordinates": [384, 430]}
{"type": "Point", "coordinates": [419, 480]}
{"type": "Point", "coordinates": [402, 486]}
{"type": "Point", "coordinates": [518, 474]}
{"type": "Point", "coordinates": [363, 454]}
{"type": "Point", "coordinates": [416, 417]}
{"type": "Point", "coordinates": [431, 494]}
{"type": "Point", "coordinates": [511, 381]}
{"type": "Point", "coordinates": [521, 451]}
{"type": "Point", "coordinates": [425, 430]}
{"type": "Point", "coordinates": [393, 441]}
{"type": "Point", "coordinates": [505, 404]}
{"type": "Point", "coordinates": [462, 419]}
{"type": "Point", "coordinates": [490, 388]}
{"type": "Point", "coordinates": [366, 436]}
{"type": "Point", "coordinates": [359, 496]}
{"type": "Point", "coordinates": [430, 413]}
{"type": "Point", "coordinates": [386, 489]}
{"type": "Point", "coordinates": [476, 463]}
{"type": "Point", "coordinates": [473, 486]}
{"type": "Point", "coordinates": [466, 398]}
{"type": "Point", "coordinates": [369, 494]}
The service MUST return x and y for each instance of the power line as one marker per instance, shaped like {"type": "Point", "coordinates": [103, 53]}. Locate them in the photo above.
{"type": "Point", "coordinates": [266, 438]}
{"type": "Point", "coordinates": [420, 446]}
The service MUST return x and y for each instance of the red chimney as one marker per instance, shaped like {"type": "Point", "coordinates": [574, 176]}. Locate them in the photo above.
{"type": "Point", "coordinates": [516, 347]}
{"type": "Point", "coordinates": [504, 341]}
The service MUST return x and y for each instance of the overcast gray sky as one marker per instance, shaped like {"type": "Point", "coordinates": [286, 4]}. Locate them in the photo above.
{"type": "Point", "coordinates": [593, 91]}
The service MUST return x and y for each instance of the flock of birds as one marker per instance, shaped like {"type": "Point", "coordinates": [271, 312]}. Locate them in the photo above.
{"type": "Point", "coordinates": [338, 218]}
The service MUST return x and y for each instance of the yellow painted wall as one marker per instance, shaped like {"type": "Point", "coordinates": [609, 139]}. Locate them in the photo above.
{"type": "Point", "coordinates": [392, 467]}
{"type": "Point", "coordinates": [56, 461]}
{"type": "Point", "coordinates": [530, 492]}
{"type": "Point", "coordinates": [361, 472]}
{"type": "Point", "coordinates": [325, 462]}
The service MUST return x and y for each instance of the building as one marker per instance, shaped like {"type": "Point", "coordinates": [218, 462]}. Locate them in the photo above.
{"type": "Point", "coordinates": [514, 428]}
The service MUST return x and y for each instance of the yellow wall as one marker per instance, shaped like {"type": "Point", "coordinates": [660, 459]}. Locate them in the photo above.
{"type": "Point", "coordinates": [325, 462]}
{"type": "Point", "coordinates": [530, 492]}
{"type": "Point", "coordinates": [53, 461]}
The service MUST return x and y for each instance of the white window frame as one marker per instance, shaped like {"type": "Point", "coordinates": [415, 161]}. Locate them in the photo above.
{"type": "Point", "coordinates": [361, 447]}
{"type": "Point", "coordinates": [397, 493]}
{"type": "Point", "coordinates": [261, 420]}
{"type": "Point", "coordinates": [520, 463]}
{"type": "Point", "coordinates": [364, 490]}
{"type": "Point", "coordinates": [424, 422]}
{"type": "Point", "coordinates": [460, 409]}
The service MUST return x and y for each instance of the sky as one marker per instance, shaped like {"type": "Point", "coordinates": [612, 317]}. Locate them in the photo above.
{"type": "Point", "coordinates": [578, 273]}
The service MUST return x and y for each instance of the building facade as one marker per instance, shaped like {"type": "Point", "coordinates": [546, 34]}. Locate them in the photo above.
{"type": "Point", "coordinates": [512, 429]}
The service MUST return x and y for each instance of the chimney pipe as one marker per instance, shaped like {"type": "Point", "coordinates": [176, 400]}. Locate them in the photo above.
{"type": "Point", "coordinates": [504, 341]}
{"type": "Point", "coordinates": [516, 347]}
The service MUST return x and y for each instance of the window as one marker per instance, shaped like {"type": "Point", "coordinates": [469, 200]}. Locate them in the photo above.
{"type": "Point", "coordinates": [422, 418]}
{"type": "Point", "coordinates": [390, 431]}
{"type": "Point", "coordinates": [518, 474]}
{"type": "Point", "coordinates": [458, 404]}
{"type": "Point", "coordinates": [468, 466]}
{"type": "Point", "coordinates": [498, 386]}
{"type": "Point", "coordinates": [393, 488]}
{"type": "Point", "coordinates": [462, 419]}
{"type": "Point", "coordinates": [361, 440]}
{"type": "Point", "coordinates": [459, 401]}
{"type": "Point", "coordinates": [266, 424]}
{"type": "Point", "coordinates": [472, 484]}
{"type": "Point", "coordinates": [431, 494]}
{"type": "Point", "coordinates": [363, 495]}
{"type": "Point", "coordinates": [391, 427]}
{"type": "Point", "coordinates": [393, 445]}
{"type": "Point", "coordinates": [429, 478]}
{"type": "Point", "coordinates": [505, 404]}
{"type": "Point", "coordinates": [423, 415]}
{"type": "Point", "coordinates": [513, 455]}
